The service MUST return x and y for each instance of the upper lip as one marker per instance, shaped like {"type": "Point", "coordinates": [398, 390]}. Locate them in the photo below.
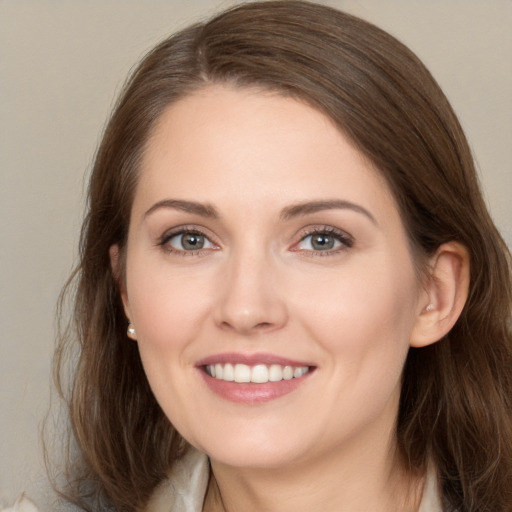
{"type": "Point", "coordinates": [250, 359]}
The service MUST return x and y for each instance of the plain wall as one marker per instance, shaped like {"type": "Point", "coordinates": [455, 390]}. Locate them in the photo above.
{"type": "Point", "coordinates": [61, 65]}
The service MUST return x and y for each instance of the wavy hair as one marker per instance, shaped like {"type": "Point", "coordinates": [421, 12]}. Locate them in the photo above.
{"type": "Point", "coordinates": [456, 396]}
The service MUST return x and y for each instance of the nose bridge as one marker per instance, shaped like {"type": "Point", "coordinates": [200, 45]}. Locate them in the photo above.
{"type": "Point", "coordinates": [249, 299]}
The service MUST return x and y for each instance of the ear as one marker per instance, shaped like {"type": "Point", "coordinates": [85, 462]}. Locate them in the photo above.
{"type": "Point", "coordinates": [115, 265]}
{"type": "Point", "coordinates": [445, 294]}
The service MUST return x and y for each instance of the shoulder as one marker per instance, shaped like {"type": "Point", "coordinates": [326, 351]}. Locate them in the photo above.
{"type": "Point", "coordinates": [185, 487]}
{"type": "Point", "coordinates": [22, 504]}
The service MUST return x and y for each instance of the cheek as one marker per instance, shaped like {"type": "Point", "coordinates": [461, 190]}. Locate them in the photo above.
{"type": "Point", "coordinates": [358, 314]}
{"type": "Point", "coordinates": [166, 310]}
{"type": "Point", "coordinates": [363, 326]}
{"type": "Point", "coordinates": [167, 316]}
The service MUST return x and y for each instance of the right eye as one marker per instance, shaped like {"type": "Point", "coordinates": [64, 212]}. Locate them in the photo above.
{"type": "Point", "coordinates": [187, 241]}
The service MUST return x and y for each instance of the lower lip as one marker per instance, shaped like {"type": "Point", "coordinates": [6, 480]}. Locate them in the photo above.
{"type": "Point", "coordinates": [251, 393]}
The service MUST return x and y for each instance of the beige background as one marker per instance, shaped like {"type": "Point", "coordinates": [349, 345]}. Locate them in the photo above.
{"type": "Point", "coordinates": [61, 65]}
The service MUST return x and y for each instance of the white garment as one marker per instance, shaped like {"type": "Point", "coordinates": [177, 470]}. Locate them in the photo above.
{"type": "Point", "coordinates": [185, 489]}
{"type": "Point", "coordinates": [23, 504]}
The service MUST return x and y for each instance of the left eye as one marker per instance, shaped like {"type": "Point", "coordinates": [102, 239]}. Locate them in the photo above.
{"type": "Point", "coordinates": [189, 241]}
{"type": "Point", "coordinates": [322, 241]}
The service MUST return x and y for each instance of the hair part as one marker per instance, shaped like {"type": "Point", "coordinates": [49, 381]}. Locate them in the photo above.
{"type": "Point", "coordinates": [456, 397]}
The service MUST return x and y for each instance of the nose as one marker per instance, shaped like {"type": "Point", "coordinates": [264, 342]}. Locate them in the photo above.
{"type": "Point", "coordinates": [249, 299]}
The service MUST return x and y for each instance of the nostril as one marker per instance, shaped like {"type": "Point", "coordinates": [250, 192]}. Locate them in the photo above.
{"type": "Point", "coordinates": [263, 325]}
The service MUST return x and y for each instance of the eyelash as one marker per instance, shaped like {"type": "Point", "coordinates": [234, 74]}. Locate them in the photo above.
{"type": "Point", "coordinates": [186, 230]}
{"type": "Point", "coordinates": [343, 238]}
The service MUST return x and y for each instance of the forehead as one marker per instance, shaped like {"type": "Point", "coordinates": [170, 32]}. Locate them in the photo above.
{"type": "Point", "coordinates": [223, 142]}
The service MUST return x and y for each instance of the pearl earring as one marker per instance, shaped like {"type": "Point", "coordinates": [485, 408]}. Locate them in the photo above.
{"type": "Point", "coordinates": [430, 307]}
{"type": "Point", "coordinates": [130, 332]}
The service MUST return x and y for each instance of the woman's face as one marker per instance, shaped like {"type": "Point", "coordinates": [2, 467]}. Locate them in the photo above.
{"type": "Point", "coordinates": [264, 247]}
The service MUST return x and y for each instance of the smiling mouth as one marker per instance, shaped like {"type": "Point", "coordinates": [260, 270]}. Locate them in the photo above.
{"type": "Point", "coordinates": [257, 374]}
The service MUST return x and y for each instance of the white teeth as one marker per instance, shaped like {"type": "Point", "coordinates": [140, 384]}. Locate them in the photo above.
{"type": "Point", "coordinates": [228, 372]}
{"type": "Point", "coordinates": [299, 371]}
{"type": "Point", "coordinates": [258, 374]}
{"type": "Point", "coordinates": [242, 373]}
{"type": "Point", "coordinates": [288, 372]}
{"type": "Point", "coordinates": [275, 373]}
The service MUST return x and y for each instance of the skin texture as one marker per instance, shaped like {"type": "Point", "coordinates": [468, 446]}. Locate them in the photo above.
{"type": "Point", "coordinates": [259, 286]}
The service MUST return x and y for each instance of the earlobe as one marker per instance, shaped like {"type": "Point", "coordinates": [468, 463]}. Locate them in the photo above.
{"type": "Point", "coordinates": [115, 264]}
{"type": "Point", "coordinates": [131, 333]}
{"type": "Point", "coordinates": [446, 292]}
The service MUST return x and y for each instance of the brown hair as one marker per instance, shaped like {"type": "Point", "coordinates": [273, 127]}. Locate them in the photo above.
{"type": "Point", "coordinates": [456, 399]}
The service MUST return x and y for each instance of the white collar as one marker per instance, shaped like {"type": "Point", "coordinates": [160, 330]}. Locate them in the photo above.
{"type": "Point", "coordinates": [185, 488]}
{"type": "Point", "coordinates": [431, 499]}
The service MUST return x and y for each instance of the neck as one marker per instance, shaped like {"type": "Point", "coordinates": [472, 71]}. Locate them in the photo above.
{"type": "Point", "coordinates": [374, 480]}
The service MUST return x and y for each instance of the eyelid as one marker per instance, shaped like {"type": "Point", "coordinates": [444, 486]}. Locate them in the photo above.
{"type": "Point", "coordinates": [346, 240]}
{"type": "Point", "coordinates": [186, 229]}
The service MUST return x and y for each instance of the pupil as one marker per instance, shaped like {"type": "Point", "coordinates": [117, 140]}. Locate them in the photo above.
{"type": "Point", "coordinates": [192, 241]}
{"type": "Point", "coordinates": [322, 242]}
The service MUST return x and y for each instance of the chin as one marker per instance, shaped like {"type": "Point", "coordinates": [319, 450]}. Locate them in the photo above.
{"type": "Point", "coordinates": [252, 450]}
{"type": "Point", "coordinates": [250, 457]}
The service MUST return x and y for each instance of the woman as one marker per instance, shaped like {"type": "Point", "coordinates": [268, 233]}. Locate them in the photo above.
{"type": "Point", "coordinates": [287, 266]}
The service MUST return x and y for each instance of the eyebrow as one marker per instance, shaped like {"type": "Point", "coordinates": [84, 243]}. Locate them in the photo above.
{"type": "Point", "coordinates": [290, 212]}
{"type": "Point", "coordinates": [201, 209]}
{"type": "Point", "coordinates": [310, 207]}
